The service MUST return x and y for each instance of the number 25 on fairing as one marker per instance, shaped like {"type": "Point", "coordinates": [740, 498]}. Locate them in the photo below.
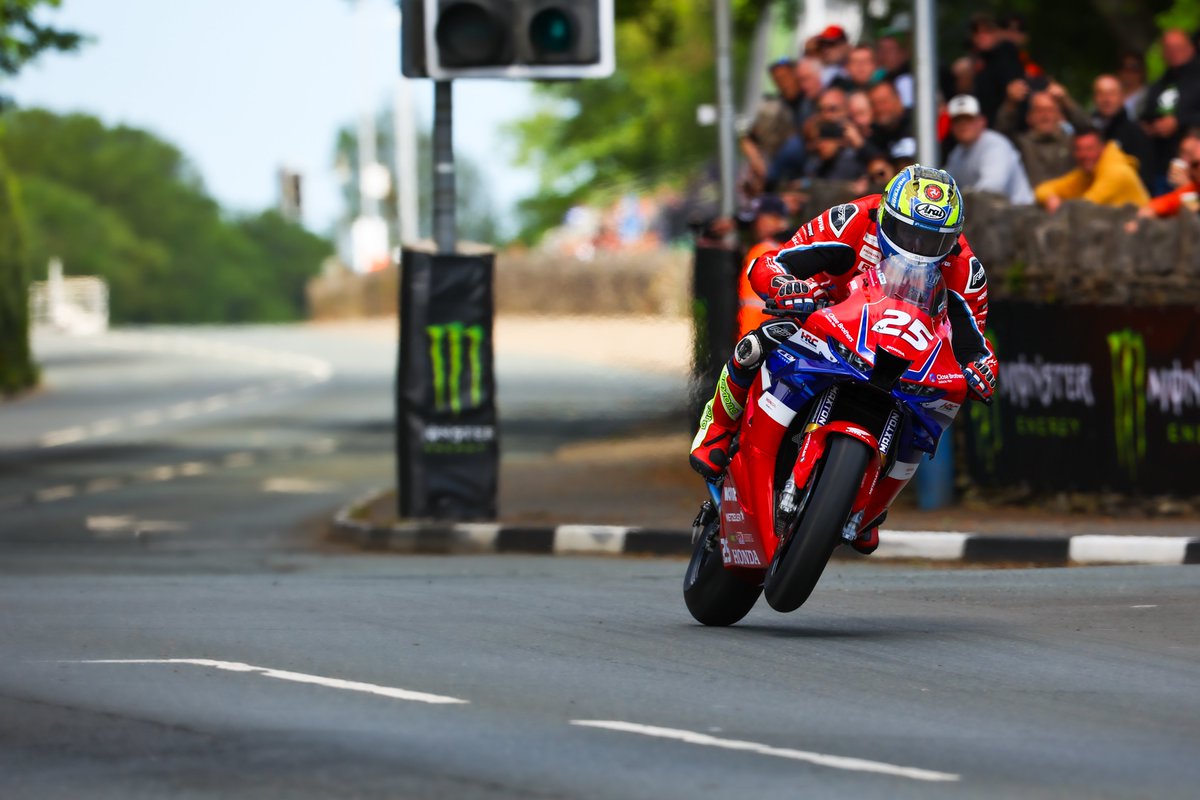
{"type": "Point", "coordinates": [899, 323]}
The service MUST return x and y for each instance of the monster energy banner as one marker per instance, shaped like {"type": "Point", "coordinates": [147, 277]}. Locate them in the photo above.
{"type": "Point", "coordinates": [447, 457]}
{"type": "Point", "coordinates": [1091, 398]}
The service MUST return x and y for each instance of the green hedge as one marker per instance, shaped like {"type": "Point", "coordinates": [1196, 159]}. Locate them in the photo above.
{"type": "Point", "coordinates": [17, 370]}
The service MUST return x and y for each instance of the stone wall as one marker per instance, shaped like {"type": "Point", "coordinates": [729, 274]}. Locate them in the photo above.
{"type": "Point", "coordinates": [1082, 254]}
{"type": "Point", "coordinates": [656, 283]}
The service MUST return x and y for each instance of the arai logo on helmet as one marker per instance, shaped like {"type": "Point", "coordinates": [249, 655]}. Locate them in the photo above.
{"type": "Point", "coordinates": [932, 212]}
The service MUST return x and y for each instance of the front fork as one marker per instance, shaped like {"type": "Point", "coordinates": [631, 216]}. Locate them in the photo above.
{"type": "Point", "coordinates": [869, 506]}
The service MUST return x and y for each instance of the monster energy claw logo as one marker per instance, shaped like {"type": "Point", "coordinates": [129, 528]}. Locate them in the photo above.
{"type": "Point", "coordinates": [1128, 350]}
{"type": "Point", "coordinates": [446, 361]}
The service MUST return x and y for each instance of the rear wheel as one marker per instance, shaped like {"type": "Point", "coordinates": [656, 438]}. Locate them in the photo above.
{"type": "Point", "coordinates": [801, 559]}
{"type": "Point", "coordinates": [715, 595]}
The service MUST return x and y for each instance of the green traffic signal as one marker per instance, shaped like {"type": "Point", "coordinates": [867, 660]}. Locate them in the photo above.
{"type": "Point", "coordinates": [552, 32]}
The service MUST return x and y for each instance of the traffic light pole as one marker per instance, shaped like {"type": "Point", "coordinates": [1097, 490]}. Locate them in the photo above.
{"type": "Point", "coordinates": [444, 223]}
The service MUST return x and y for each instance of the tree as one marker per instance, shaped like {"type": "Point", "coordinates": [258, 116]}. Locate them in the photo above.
{"type": "Point", "coordinates": [638, 128]}
{"type": "Point", "coordinates": [22, 39]}
{"type": "Point", "coordinates": [122, 204]}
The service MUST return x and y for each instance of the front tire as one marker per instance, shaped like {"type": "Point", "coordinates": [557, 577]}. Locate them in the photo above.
{"type": "Point", "coordinates": [801, 559]}
{"type": "Point", "coordinates": [715, 595]}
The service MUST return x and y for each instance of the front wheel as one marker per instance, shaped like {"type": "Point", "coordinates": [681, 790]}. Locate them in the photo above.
{"type": "Point", "coordinates": [715, 595]}
{"type": "Point", "coordinates": [801, 559]}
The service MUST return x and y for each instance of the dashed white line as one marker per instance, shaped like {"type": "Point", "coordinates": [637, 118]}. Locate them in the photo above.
{"type": "Point", "coordinates": [65, 436]}
{"type": "Point", "coordinates": [238, 460]}
{"type": "Point", "coordinates": [55, 493]}
{"type": "Point", "coordinates": [190, 469]}
{"type": "Point", "coordinates": [183, 410]}
{"type": "Point", "coordinates": [145, 419]}
{"type": "Point", "coordinates": [297, 486]}
{"type": "Point", "coordinates": [105, 427]}
{"type": "Point", "coordinates": [97, 485]}
{"type": "Point", "coordinates": [820, 759]}
{"type": "Point", "coordinates": [297, 677]}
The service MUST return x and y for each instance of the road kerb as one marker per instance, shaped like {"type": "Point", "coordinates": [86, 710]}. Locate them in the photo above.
{"type": "Point", "coordinates": [466, 538]}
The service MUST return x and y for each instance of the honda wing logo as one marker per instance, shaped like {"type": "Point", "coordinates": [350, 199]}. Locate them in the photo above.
{"type": "Point", "coordinates": [456, 360]}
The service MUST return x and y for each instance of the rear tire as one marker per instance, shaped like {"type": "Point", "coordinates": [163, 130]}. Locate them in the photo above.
{"type": "Point", "coordinates": [801, 559]}
{"type": "Point", "coordinates": [715, 595]}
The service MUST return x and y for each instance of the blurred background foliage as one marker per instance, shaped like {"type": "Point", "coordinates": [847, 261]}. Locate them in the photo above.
{"type": "Point", "coordinates": [122, 204]}
{"type": "Point", "coordinates": [22, 39]}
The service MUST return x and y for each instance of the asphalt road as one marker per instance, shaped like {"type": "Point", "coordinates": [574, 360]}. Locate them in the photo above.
{"type": "Point", "coordinates": [171, 626]}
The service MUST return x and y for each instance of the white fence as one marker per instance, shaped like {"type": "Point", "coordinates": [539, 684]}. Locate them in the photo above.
{"type": "Point", "coordinates": [71, 305]}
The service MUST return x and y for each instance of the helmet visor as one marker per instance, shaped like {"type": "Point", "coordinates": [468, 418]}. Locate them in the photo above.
{"type": "Point", "coordinates": [918, 241]}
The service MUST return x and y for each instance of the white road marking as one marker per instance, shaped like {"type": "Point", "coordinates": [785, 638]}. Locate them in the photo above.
{"type": "Point", "coordinates": [54, 493]}
{"type": "Point", "coordinates": [163, 473]}
{"type": "Point", "coordinates": [590, 539]}
{"type": "Point", "coordinates": [190, 469]}
{"type": "Point", "coordinates": [307, 371]}
{"type": "Point", "coordinates": [65, 436]}
{"type": "Point", "coordinates": [239, 460]}
{"type": "Point", "coordinates": [97, 485]}
{"type": "Point", "coordinates": [146, 418]}
{"type": "Point", "coordinates": [1144, 606]}
{"type": "Point", "coordinates": [321, 446]}
{"type": "Point", "coordinates": [126, 523]}
{"type": "Point", "coordinates": [297, 486]}
{"type": "Point", "coordinates": [105, 427]}
{"type": "Point", "coordinates": [183, 410]}
{"type": "Point", "coordinates": [820, 759]}
{"type": "Point", "coordinates": [298, 677]}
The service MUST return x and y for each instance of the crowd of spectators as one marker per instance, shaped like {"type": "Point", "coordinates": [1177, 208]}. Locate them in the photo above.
{"type": "Point", "coordinates": [843, 111]}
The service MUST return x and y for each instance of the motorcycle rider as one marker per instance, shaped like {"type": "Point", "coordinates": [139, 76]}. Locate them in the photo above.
{"type": "Point", "coordinates": [919, 216]}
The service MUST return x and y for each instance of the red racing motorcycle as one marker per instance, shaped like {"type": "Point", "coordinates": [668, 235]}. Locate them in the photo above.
{"type": "Point", "coordinates": [847, 404]}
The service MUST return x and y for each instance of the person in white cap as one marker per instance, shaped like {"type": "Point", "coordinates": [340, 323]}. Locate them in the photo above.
{"type": "Point", "coordinates": [984, 160]}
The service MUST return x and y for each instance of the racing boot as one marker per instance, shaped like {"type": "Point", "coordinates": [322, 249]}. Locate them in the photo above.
{"type": "Point", "coordinates": [719, 422]}
{"type": "Point", "coordinates": [867, 541]}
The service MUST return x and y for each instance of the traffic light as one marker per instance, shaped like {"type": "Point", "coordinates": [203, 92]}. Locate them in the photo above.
{"type": "Point", "coordinates": [514, 39]}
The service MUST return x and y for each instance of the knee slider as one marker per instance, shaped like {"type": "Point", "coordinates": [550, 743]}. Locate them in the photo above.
{"type": "Point", "coordinates": [748, 353]}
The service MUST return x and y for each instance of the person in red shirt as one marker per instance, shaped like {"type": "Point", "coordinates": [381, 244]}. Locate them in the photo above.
{"type": "Point", "coordinates": [1168, 205]}
{"type": "Point", "coordinates": [919, 216]}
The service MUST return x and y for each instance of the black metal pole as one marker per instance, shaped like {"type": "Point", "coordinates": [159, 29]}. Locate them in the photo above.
{"type": "Point", "coordinates": [444, 223]}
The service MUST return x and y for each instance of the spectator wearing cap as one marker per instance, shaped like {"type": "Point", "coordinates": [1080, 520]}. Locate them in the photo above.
{"type": "Point", "coordinates": [831, 158]}
{"type": "Point", "coordinates": [892, 129]}
{"type": "Point", "coordinates": [776, 120]}
{"type": "Point", "coordinates": [892, 56]}
{"type": "Point", "coordinates": [1045, 146]}
{"type": "Point", "coordinates": [770, 228]}
{"type": "Point", "coordinates": [833, 48]}
{"type": "Point", "coordinates": [1112, 119]}
{"type": "Point", "coordinates": [998, 64]}
{"type": "Point", "coordinates": [983, 159]}
{"type": "Point", "coordinates": [1172, 104]}
{"type": "Point", "coordinates": [1103, 175]}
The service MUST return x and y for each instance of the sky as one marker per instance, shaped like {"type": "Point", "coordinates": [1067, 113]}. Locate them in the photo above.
{"type": "Point", "coordinates": [245, 86]}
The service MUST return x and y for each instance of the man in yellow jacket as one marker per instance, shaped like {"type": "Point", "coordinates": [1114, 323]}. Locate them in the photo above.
{"type": "Point", "coordinates": [1103, 174]}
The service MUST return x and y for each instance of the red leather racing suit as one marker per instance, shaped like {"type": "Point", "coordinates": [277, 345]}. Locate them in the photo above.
{"type": "Point", "coordinates": [842, 242]}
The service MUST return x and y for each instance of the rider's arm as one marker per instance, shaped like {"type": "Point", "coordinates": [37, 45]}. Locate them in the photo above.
{"type": "Point", "coordinates": [822, 250]}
